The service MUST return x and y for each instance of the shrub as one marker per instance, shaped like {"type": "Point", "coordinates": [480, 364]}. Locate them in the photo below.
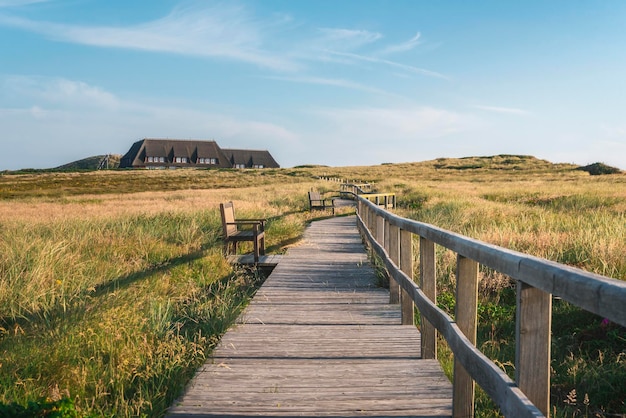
{"type": "Point", "coordinates": [597, 169]}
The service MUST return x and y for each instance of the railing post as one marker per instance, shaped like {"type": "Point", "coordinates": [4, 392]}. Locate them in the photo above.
{"type": "Point", "coordinates": [406, 265]}
{"type": "Point", "coordinates": [394, 255]}
{"type": "Point", "coordinates": [466, 311]}
{"type": "Point", "coordinates": [387, 236]}
{"type": "Point", "coordinates": [371, 218]}
{"type": "Point", "coordinates": [532, 351]}
{"type": "Point", "coordinates": [428, 283]}
{"type": "Point", "coordinates": [379, 222]}
{"type": "Point", "coordinates": [364, 214]}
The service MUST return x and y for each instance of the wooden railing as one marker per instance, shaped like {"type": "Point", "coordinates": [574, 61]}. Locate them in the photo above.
{"type": "Point", "coordinates": [351, 190]}
{"type": "Point", "coordinates": [356, 188]}
{"type": "Point", "coordinates": [346, 182]}
{"type": "Point", "coordinates": [391, 238]}
{"type": "Point", "coordinates": [386, 200]}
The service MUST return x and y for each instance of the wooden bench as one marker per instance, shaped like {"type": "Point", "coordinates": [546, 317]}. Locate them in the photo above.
{"type": "Point", "coordinates": [317, 202]}
{"type": "Point", "coordinates": [233, 235]}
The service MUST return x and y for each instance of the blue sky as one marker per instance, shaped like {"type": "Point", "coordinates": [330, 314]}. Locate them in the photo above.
{"type": "Point", "coordinates": [353, 82]}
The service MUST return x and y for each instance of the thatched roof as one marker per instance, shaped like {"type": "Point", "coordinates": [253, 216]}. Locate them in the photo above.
{"type": "Point", "coordinates": [250, 158]}
{"type": "Point", "coordinates": [155, 153]}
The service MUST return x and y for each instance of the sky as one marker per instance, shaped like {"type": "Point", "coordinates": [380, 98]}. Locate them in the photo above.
{"type": "Point", "coordinates": [333, 82]}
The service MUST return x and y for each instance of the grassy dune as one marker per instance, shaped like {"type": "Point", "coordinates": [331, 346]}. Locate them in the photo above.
{"type": "Point", "coordinates": [113, 288]}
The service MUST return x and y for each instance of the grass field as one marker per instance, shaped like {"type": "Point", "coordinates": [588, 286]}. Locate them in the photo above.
{"type": "Point", "coordinates": [113, 287]}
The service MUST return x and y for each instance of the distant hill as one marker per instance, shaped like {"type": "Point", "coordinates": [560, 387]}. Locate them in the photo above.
{"type": "Point", "coordinates": [500, 162]}
{"type": "Point", "coordinates": [508, 162]}
{"type": "Point", "coordinates": [93, 163]}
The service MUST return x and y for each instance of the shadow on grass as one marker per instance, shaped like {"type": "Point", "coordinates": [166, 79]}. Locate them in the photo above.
{"type": "Point", "coordinates": [59, 312]}
{"type": "Point", "coordinates": [51, 316]}
{"type": "Point", "coordinates": [125, 281]}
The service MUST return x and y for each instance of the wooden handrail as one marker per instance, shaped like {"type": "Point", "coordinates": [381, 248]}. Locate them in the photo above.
{"type": "Point", "coordinates": [356, 188]}
{"type": "Point", "coordinates": [538, 279]}
{"type": "Point", "coordinates": [386, 200]}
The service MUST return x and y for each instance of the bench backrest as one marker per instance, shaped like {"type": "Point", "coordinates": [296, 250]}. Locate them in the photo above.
{"type": "Point", "coordinates": [315, 198]}
{"type": "Point", "coordinates": [228, 218]}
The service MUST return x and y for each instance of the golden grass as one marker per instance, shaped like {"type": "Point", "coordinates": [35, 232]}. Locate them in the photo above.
{"type": "Point", "coordinates": [122, 272]}
{"type": "Point", "coordinates": [103, 206]}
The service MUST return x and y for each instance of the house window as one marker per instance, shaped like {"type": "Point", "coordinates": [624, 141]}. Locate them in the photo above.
{"type": "Point", "coordinates": [181, 160]}
{"type": "Point", "coordinates": [161, 159]}
{"type": "Point", "coordinates": [212, 160]}
{"type": "Point", "coordinates": [258, 166]}
{"type": "Point", "coordinates": [150, 159]}
{"type": "Point", "coordinates": [240, 166]}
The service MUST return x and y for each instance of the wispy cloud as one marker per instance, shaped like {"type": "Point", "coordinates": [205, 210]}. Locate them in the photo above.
{"type": "Point", "coordinates": [334, 82]}
{"type": "Point", "coordinates": [228, 31]}
{"type": "Point", "coordinates": [224, 31]}
{"type": "Point", "coordinates": [507, 110]}
{"type": "Point", "coordinates": [393, 64]}
{"type": "Point", "coordinates": [348, 47]}
{"type": "Point", "coordinates": [346, 39]}
{"type": "Point", "coordinates": [59, 92]}
{"type": "Point", "coordinates": [402, 47]}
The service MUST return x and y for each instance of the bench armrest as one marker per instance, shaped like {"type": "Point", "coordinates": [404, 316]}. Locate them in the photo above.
{"type": "Point", "coordinates": [254, 222]}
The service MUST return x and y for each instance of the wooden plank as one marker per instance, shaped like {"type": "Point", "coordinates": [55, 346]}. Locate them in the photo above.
{"type": "Point", "coordinates": [319, 339]}
{"type": "Point", "coordinates": [532, 362]}
{"type": "Point", "coordinates": [406, 265]}
{"type": "Point", "coordinates": [392, 246]}
{"type": "Point", "coordinates": [466, 318]}
{"type": "Point", "coordinates": [428, 282]}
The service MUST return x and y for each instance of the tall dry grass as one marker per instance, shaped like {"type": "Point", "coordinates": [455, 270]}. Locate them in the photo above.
{"type": "Point", "coordinates": [113, 300]}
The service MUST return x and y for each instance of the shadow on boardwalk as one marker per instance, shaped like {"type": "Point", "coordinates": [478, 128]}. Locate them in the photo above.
{"type": "Point", "coordinates": [319, 339]}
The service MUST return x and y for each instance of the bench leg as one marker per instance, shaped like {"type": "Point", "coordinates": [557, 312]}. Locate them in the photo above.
{"type": "Point", "coordinates": [230, 247]}
{"type": "Point", "coordinates": [256, 250]}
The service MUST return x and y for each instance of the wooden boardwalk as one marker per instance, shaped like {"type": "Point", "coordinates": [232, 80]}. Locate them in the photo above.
{"type": "Point", "coordinates": [319, 339]}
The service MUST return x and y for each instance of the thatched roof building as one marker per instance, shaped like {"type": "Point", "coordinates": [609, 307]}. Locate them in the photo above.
{"type": "Point", "coordinates": [243, 158]}
{"type": "Point", "coordinates": [169, 153]}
